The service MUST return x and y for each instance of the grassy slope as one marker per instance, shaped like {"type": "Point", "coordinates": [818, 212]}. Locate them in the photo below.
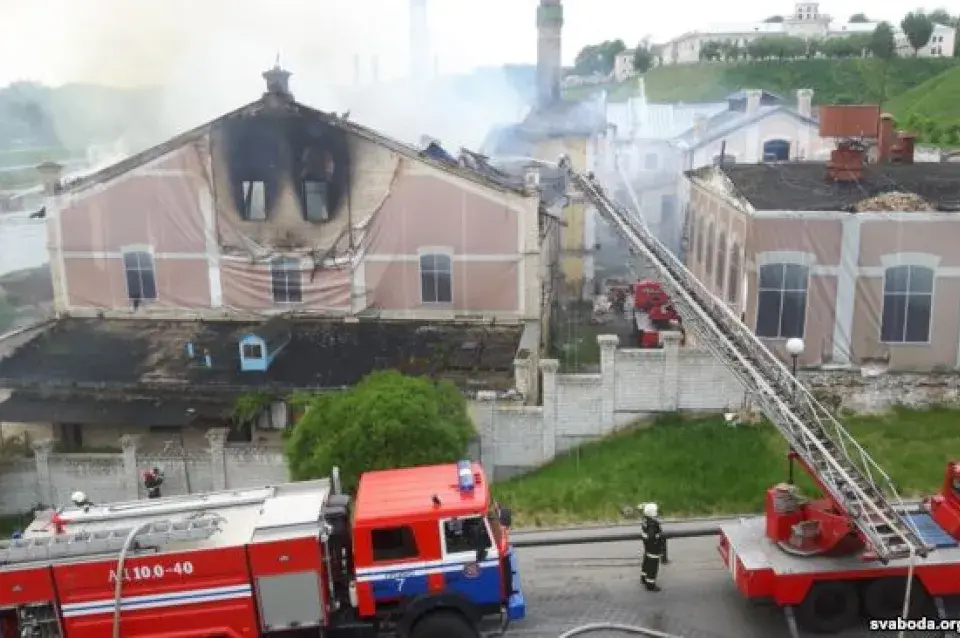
{"type": "Point", "coordinates": [937, 98]}
{"type": "Point", "coordinates": [701, 466]}
{"type": "Point", "coordinates": [833, 81]}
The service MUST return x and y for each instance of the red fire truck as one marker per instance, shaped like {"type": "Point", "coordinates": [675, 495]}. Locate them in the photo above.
{"type": "Point", "coordinates": [653, 313]}
{"type": "Point", "coordinates": [806, 555]}
{"type": "Point", "coordinates": [422, 552]}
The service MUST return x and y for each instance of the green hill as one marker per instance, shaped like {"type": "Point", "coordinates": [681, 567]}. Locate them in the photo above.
{"type": "Point", "coordinates": [937, 98]}
{"type": "Point", "coordinates": [847, 81]}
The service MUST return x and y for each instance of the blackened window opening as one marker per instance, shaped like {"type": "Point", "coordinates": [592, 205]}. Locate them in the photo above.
{"type": "Point", "coordinates": [254, 201]}
{"type": "Point", "coordinates": [141, 276]}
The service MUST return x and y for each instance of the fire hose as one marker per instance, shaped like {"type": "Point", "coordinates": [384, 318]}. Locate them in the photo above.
{"type": "Point", "coordinates": [626, 629]}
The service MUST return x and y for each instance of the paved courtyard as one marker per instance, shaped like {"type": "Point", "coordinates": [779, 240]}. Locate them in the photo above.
{"type": "Point", "coordinates": [579, 584]}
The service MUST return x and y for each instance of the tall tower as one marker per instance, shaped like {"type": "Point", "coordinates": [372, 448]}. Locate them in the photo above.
{"type": "Point", "coordinates": [549, 28]}
{"type": "Point", "coordinates": [419, 41]}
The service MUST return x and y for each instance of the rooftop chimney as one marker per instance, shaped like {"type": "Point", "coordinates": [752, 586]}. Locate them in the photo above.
{"type": "Point", "coordinates": [549, 69]}
{"type": "Point", "coordinates": [805, 102]}
{"type": "Point", "coordinates": [278, 81]}
{"type": "Point", "coordinates": [846, 162]}
{"type": "Point", "coordinates": [885, 139]}
{"type": "Point", "coordinates": [753, 99]}
{"type": "Point", "coordinates": [50, 175]}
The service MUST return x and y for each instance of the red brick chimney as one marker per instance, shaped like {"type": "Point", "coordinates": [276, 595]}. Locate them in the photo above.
{"type": "Point", "coordinates": [907, 143]}
{"type": "Point", "coordinates": [846, 162]}
{"type": "Point", "coordinates": [886, 139]}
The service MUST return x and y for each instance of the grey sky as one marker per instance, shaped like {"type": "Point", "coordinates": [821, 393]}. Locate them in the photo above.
{"type": "Point", "coordinates": [149, 41]}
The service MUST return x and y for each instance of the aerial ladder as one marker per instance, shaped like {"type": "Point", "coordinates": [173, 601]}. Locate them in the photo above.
{"type": "Point", "coordinates": [853, 479]}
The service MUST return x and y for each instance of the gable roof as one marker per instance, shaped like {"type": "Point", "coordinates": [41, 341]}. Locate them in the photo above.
{"type": "Point", "coordinates": [727, 122]}
{"type": "Point", "coordinates": [291, 106]}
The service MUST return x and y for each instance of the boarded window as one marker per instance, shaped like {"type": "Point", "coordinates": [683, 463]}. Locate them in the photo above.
{"type": "Point", "coordinates": [733, 281]}
{"type": "Point", "coordinates": [710, 254]}
{"type": "Point", "coordinates": [781, 300]}
{"type": "Point", "coordinates": [721, 261]}
{"type": "Point", "coordinates": [907, 304]}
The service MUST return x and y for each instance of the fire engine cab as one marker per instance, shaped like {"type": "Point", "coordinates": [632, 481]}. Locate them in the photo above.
{"type": "Point", "coordinates": [653, 313]}
{"type": "Point", "coordinates": [422, 552]}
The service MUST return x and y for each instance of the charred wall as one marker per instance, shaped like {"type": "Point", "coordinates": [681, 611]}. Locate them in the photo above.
{"type": "Point", "coordinates": [282, 182]}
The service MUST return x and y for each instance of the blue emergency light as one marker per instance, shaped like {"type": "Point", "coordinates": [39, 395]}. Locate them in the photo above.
{"type": "Point", "coordinates": [465, 476]}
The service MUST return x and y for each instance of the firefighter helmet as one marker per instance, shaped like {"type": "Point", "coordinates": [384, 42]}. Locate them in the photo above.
{"type": "Point", "coordinates": [650, 510]}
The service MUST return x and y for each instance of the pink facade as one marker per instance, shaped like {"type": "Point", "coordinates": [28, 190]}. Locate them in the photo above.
{"type": "Point", "coordinates": [158, 233]}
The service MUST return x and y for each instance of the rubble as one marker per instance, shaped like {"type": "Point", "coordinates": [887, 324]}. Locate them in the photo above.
{"type": "Point", "coordinates": [894, 202]}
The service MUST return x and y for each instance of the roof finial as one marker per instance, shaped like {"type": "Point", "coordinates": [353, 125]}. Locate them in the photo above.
{"type": "Point", "coordinates": [276, 63]}
{"type": "Point", "coordinates": [278, 80]}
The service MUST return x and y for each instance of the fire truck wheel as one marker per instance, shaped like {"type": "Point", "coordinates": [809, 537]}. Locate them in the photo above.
{"type": "Point", "coordinates": [883, 598]}
{"type": "Point", "coordinates": [830, 607]}
{"type": "Point", "coordinates": [443, 624]}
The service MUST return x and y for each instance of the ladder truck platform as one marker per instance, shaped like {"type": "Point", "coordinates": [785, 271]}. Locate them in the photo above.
{"type": "Point", "coordinates": [854, 551]}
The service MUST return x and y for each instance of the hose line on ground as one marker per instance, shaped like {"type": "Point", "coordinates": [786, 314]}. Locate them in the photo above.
{"type": "Point", "coordinates": [627, 629]}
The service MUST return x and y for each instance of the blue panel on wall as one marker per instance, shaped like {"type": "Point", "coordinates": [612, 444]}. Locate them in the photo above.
{"type": "Point", "coordinates": [253, 364]}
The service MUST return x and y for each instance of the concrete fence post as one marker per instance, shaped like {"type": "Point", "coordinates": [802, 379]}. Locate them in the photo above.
{"type": "Point", "coordinates": [608, 381]}
{"type": "Point", "coordinates": [671, 371]}
{"type": "Point", "coordinates": [521, 376]}
{"type": "Point", "coordinates": [131, 473]}
{"type": "Point", "coordinates": [218, 462]}
{"type": "Point", "coordinates": [549, 369]}
{"type": "Point", "coordinates": [41, 454]}
{"type": "Point", "coordinates": [486, 412]}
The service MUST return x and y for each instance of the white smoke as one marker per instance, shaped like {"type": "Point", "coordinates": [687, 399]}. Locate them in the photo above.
{"type": "Point", "coordinates": [206, 58]}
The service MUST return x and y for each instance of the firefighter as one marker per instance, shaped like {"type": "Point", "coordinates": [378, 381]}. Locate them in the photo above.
{"type": "Point", "coordinates": [654, 547]}
{"type": "Point", "coordinates": [152, 480]}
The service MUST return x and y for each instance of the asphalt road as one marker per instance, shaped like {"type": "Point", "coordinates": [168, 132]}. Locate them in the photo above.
{"type": "Point", "coordinates": [575, 585]}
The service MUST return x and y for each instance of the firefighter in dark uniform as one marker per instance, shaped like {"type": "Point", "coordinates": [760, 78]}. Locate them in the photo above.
{"type": "Point", "coordinates": [152, 480]}
{"type": "Point", "coordinates": [654, 547]}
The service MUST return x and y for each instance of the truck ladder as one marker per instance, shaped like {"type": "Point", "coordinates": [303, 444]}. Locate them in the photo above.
{"type": "Point", "coordinates": [85, 543]}
{"type": "Point", "coordinates": [852, 478]}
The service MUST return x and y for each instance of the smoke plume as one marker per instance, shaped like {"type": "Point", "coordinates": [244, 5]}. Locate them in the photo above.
{"type": "Point", "coordinates": [205, 57]}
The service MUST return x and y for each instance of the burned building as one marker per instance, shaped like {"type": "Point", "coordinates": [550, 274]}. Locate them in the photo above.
{"type": "Point", "coordinates": [277, 209]}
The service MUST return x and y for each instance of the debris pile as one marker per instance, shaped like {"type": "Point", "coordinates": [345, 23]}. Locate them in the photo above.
{"type": "Point", "coordinates": [894, 202]}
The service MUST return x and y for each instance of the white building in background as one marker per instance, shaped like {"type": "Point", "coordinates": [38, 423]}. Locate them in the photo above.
{"type": "Point", "coordinates": [806, 22]}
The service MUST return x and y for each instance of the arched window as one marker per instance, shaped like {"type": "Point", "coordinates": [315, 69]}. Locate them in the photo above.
{"type": "Point", "coordinates": [733, 281]}
{"type": "Point", "coordinates": [692, 242]}
{"type": "Point", "coordinates": [721, 260]}
{"type": "Point", "coordinates": [141, 276]}
{"type": "Point", "coordinates": [907, 304]}
{"type": "Point", "coordinates": [436, 279]}
{"type": "Point", "coordinates": [700, 232]}
{"type": "Point", "coordinates": [710, 254]}
{"type": "Point", "coordinates": [781, 300]}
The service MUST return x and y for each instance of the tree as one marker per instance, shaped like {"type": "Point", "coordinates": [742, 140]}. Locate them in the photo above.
{"type": "Point", "coordinates": [852, 46]}
{"type": "Point", "coordinates": [598, 58]}
{"type": "Point", "coordinates": [940, 16]}
{"type": "Point", "coordinates": [731, 51]}
{"type": "Point", "coordinates": [779, 47]}
{"type": "Point", "coordinates": [882, 44]}
{"type": "Point", "coordinates": [643, 57]}
{"type": "Point", "coordinates": [388, 420]}
{"type": "Point", "coordinates": [918, 28]}
{"type": "Point", "coordinates": [774, 20]}
{"type": "Point", "coordinates": [858, 18]}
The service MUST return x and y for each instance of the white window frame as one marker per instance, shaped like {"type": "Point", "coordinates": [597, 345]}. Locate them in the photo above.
{"type": "Point", "coordinates": [299, 271]}
{"type": "Point", "coordinates": [434, 252]}
{"type": "Point", "coordinates": [140, 250]}
{"type": "Point", "coordinates": [783, 289]}
{"type": "Point", "coordinates": [493, 552]}
{"type": "Point", "coordinates": [907, 294]}
{"type": "Point", "coordinates": [306, 216]}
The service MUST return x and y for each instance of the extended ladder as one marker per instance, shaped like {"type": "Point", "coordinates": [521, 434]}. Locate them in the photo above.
{"type": "Point", "coordinates": [852, 477]}
{"type": "Point", "coordinates": [85, 543]}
